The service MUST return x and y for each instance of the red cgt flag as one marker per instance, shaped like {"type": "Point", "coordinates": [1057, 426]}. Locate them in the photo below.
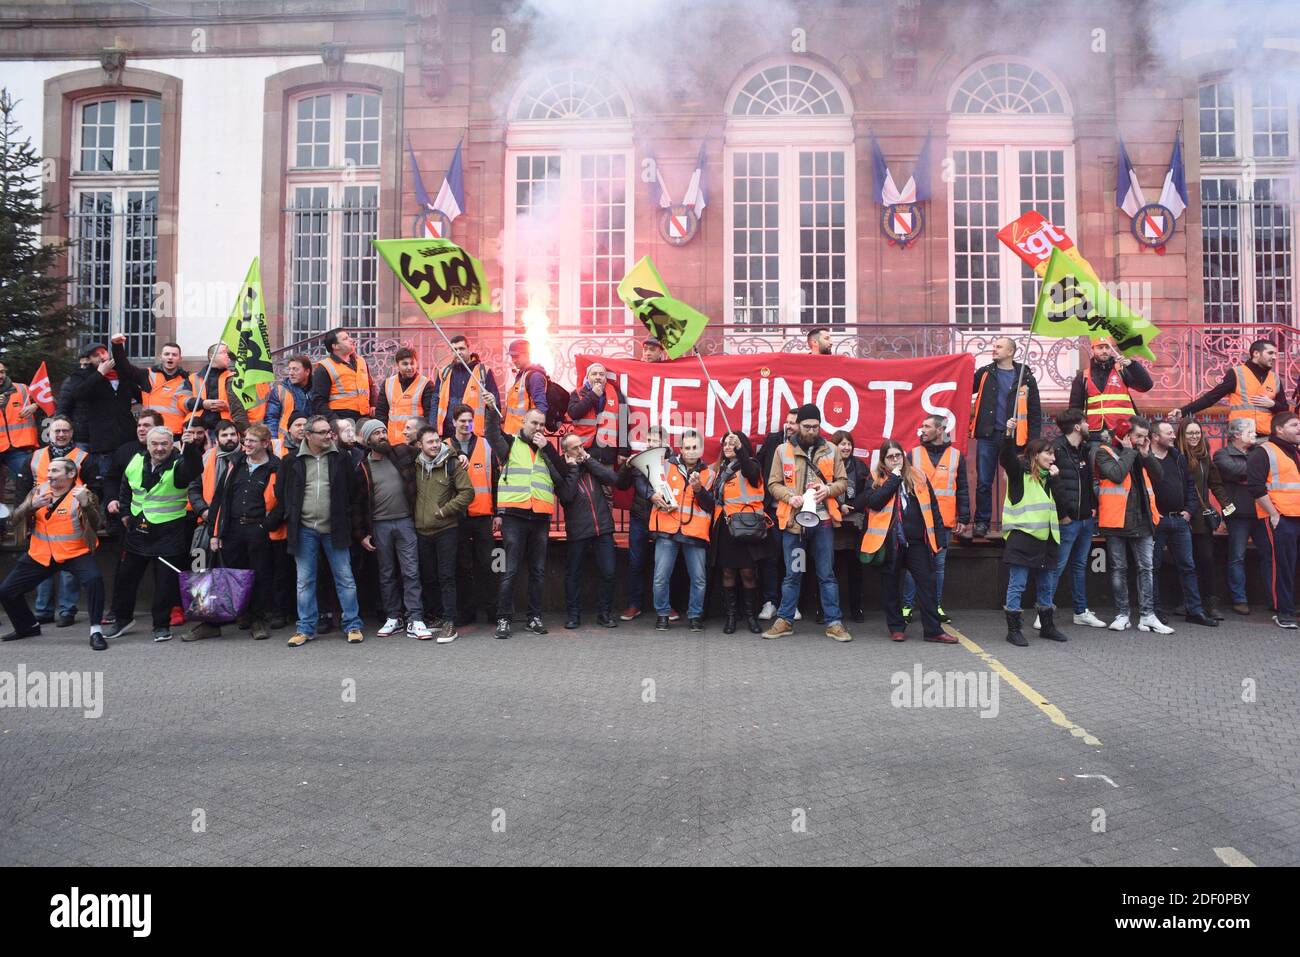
{"type": "Point", "coordinates": [42, 394]}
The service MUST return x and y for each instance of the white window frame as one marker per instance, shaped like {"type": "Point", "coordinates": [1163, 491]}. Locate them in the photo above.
{"type": "Point", "coordinates": [1009, 134]}
{"type": "Point", "coordinates": [336, 178]}
{"type": "Point", "coordinates": [789, 136]}
{"type": "Point", "coordinates": [570, 140]}
{"type": "Point", "coordinates": [1244, 169]}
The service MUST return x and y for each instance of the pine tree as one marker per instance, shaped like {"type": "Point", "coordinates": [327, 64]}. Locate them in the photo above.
{"type": "Point", "coordinates": [36, 320]}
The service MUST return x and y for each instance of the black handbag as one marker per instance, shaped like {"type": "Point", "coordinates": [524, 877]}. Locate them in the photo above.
{"type": "Point", "coordinates": [750, 527]}
{"type": "Point", "coordinates": [1209, 515]}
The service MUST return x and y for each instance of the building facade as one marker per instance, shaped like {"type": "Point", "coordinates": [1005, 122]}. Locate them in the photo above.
{"type": "Point", "coordinates": [184, 138]}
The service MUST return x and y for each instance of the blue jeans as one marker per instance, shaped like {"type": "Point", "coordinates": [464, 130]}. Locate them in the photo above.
{"type": "Point", "coordinates": [69, 593]}
{"type": "Point", "coordinates": [819, 547]}
{"type": "Point", "coordinates": [1240, 532]}
{"type": "Point", "coordinates": [1175, 533]}
{"type": "Point", "coordinates": [1117, 549]}
{"type": "Point", "coordinates": [639, 548]}
{"type": "Point", "coordinates": [1044, 580]}
{"type": "Point", "coordinates": [310, 544]}
{"type": "Point", "coordinates": [1076, 542]}
{"type": "Point", "coordinates": [665, 558]}
{"type": "Point", "coordinates": [986, 470]}
{"type": "Point", "coordinates": [939, 559]}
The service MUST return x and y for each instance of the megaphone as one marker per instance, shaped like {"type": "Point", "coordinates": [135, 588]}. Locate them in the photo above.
{"type": "Point", "coordinates": [4, 511]}
{"type": "Point", "coordinates": [650, 463]}
{"type": "Point", "coordinates": [807, 516]}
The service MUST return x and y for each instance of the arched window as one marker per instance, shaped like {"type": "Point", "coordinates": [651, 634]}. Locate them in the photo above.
{"type": "Point", "coordinates": [114, 169]}
{"type": "Point", "coordinates": [1010, 138]}
{"type": "Point", "coordinates": [1248, 181]}
{"type": "Point", "coordinates": [789, 188]}
{"type": "Point", "coordinates": [569, 188]}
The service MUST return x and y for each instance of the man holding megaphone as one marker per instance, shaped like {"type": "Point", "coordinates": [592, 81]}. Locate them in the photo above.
{"type": "Point", "coordinates": [806, 481]}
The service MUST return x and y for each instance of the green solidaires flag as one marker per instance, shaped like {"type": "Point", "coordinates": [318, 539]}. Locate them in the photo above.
{"type": "Point", "coordinates": [440, 276]}
{"type": "Point", "coordinates": [246, 337]}
{"type": "Point", "coordinates": [1073, 303]}
{"type": "Point", "coordinates": [674, 323]}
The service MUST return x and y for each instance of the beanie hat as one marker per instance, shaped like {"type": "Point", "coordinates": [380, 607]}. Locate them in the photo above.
{"type": "Point", "coordinates": [369, 428]}
{"type": "Point", "coordinates": [808, 411]}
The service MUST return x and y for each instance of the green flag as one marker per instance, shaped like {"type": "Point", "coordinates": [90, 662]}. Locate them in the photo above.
{"type": "Point", "coordinates": [675, 324]}
{"type": "Point", "coordinates": [246, 337]}
{"type": "Point", "coordinates": [441, 277]}
{"type": "Point", "coordinates": [1072, 303]}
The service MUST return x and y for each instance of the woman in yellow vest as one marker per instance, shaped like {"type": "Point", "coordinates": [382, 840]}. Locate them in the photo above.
{"type": "Point", "coordinates": [902, 517]}
{"type": "Point", "coordinates": [1033, 537]}
{"type": "Point", "coordinates": [738, 490]}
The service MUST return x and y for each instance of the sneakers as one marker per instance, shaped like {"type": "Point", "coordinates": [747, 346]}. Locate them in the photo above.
{"type": "Point", "coordinates": [674, 615]}
{"type": "Point", "coordinates": [178, 616]}
{"type": "Point", "coordinates": [1152, 623]}
{"type": "Point", "coordinates": [606, 620]}
{"type": "Point", "coordinates": [630, 613]}
{"type": "Point", "coordinates": [798, 615]}
{"type": "Point", "coordinates": [1086, 617]}
{"type": "Point", "coordinates": [97, 641]}
{"type": "Point", "coordinates": [697, 624]}
{"type": "Point", "coordinates": [325, 624]}
{"type": "Point", "coordinates": [503, 628]}
{"type": "Point", "coordinates": [981, 530]}
{"type": "Point", "coordinates": [837, 631]}
{"type": "Point", "coordinates": [779, 627]}
{"type": "Point", "coordinates": [278, 621]}
{"type": "Point", "coordinates": [1241, 609]}
{"type": "Point", "coordinates": [1121, 623]}
{"type": "Point", "coordinates": [162, 634]}
{"type": "Point", "coordinates": [447, 633]}
{"type": "Point", "coordinates": [535, 626]}
{"type": "Point", "coordinates": [897, 636]}
{"type": "Point", "coordinates": [418, 629]}
{"type": "Point", "coordinates": [113, 629]}
{"type": "Point", "coordinates": [204, 629]}
{"type": "Point", "coordinates": [944, 617]}
{"type": "Point", "coordinates": [907, 615]}
{"type": "Point", "coordinates": [260, 631]}
{"type": "Point", "coordinates": [1283, 622]}
{"type": "Point", "coordinates": [66, 620]}
{"type": "Point", "coordinates": [1038, 622]}
{"type": "Point", "coordinates": [391, 626]}
{"type": "Point", "coordinates": [573, 621]}
{"type": "Point", "coordinates": [355, 637]}
{"type": "Point", "coordinates": [299, 639]}
{"type": "Point", "coordinates": [768, 611]}
{"type": "Point", "coordinates": [661, 623]}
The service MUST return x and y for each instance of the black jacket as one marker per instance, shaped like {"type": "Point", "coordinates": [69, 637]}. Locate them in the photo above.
{"type": "Point", "coordinates": [1145, 470]}
{"type": "Point", "coordinates": [1208, 484]}
{"type": "Point", "coordinates": [403, 459]}
{"type": "Point", "coordinates": [629, 477]}
{"type": "Point", "coordinates": [78, 413]}
{"type": "Point", "coordinates": [1075, 475]}
{"type": "Point", "coordinates": [224, 496]}
{"type": "Point", "coordinates": [113, 477]}
{"type": "Point", "coordinates": [344, 486]}
{"type": "Point", "coordinates": [1231, 463]}
{"type": "Point", "coordinates": [1022, 548]}
{"type": "Point", "coordinates": [586, 509]}
{"type": "Point", "coordinates": [985, 419]}
{"type": "Point", "coordinates": [105, 411]}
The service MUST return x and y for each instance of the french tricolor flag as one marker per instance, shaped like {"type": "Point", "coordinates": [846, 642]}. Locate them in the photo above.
{"type": "Point", "coordinates": [451, 197]}
{"type": "Point", "coordinates": [1128, 192]}
{"type": "Point", "coordinates": [1173, 195]}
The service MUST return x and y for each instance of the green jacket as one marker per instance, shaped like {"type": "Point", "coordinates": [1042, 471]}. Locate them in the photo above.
{"type": "Point", "coordinates": [442, 494]}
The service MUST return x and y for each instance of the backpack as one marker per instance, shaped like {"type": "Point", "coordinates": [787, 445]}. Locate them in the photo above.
{"type": "Point", "coordinates": [557, 404]}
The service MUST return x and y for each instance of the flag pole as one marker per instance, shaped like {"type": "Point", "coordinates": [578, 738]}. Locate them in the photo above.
{"type": "Point", "coordinates": [710, 380]}
{"type": "Point", "coordinates": [1020, 379]}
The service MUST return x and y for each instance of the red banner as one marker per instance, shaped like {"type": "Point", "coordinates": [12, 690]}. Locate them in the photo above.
{"type": "Point", "coordinates": [872, 399]}
{"type": "Point", "coordinates": [42, 395]}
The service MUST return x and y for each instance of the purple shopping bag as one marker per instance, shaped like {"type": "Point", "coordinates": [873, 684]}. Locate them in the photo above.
{"type": "Point", "coordinates": [216, 595]}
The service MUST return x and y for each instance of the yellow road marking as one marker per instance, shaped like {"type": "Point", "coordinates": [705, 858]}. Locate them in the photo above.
{"type": "Point", "coordinates": [1030, 695]}
{"type": "Point", "coordinates": [1233, 857]}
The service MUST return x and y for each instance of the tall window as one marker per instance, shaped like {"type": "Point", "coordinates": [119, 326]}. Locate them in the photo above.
{"type": "Point", "coordinates": [789, 182]}
{"type": "Point", "coordinates": [569, 176]}
{"type": "Point", "coordinates": [333, 212]}
{"type": "Point", "coordinates": [1247, 188]}
{"type": "Point", "coordinates": [1009, 133]}
{"type": "Point", "coordinates": [114, 217]}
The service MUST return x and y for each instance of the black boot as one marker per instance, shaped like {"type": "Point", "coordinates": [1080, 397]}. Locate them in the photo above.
{"type": "Point", "coordinates": [729, 601]}
{"type": "Point", "coordinates": [1013, 629]}
{"type": "Point", "coordinates": [752, 605]}
{"type": "Point", "coordinates": [1212, 608]}
{"type": "Point", "coordinates": [1048, 627]}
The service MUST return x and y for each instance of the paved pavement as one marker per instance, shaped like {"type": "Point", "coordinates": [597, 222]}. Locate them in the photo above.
{"type": "Point", "coordinates": [630, 747]}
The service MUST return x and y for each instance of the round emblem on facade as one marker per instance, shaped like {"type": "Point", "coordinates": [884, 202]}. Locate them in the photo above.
{"type": "Point", "coordinates": [431, 223]}
{"type": "Point", "coordinates": [678, 224]}
{"type": "Point", "coordinates": [902, 223]}
{"type": "Point", "coordinates": [1153, 225]}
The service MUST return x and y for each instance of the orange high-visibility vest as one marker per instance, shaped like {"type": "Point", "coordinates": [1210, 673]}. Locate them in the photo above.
{"type": "Point", "coordinates": [1106, 409]}
{"type": "Point", "coordinates": [827, 468]}
{"type": "Point", "coordinates": [738, 495]}
{"type": "Point", "coordinates": [287, 408]}
{"type": "Point", "coordinates": [403, 405]}
{"type": "Point", "coordinates": [600, 425]}
{"type": "Point", "coordinates": [879, 520]}
{"type": "Point", "coordinates": [1283, 483]}
{"type": "Point", "coordinates": [943, 479]}
{"type": "Point", "coordinates": [480, 478]}
{"type": "Point", "coordinates": [209, 477]}
{"type": "Point", "coordinates": [41, 464]}
{"type": "Point", "coordinates": [281, 534]}
{"type": "Point", "coordinates": [349, 390]}
{"type": "Point", "coordinates": [1240, 406]}
{"type": "Point", "coordinates": [58, 537]}
{"type": "Point", "coordinates": [688, 518]}
{"type": "Point", "coordinates": [1112, 498]}
{"type": "Point", "coordinates": [15, 431]}
{"type": "Point", "coordinates": [199, 385]}
{"type": "Point", "coordinates": [257, 411]}
{"type": "Point", "coordinates": [518, 402]}
{"type": "Point", "coordinates": [167, 397]}
{"type": "Point", "coordinates": [1021, 412]}
{"type": "Point", "coordinates": [472, 397]}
